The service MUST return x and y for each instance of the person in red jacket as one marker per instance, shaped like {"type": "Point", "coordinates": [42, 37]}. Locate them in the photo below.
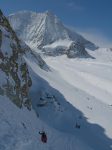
{"type": "Point", "coordinates": [43, 137]}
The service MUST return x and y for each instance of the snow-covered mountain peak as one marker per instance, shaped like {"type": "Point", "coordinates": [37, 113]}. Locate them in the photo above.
{"type": "Point", "coordinates": [40, 29]}
{"type": "Point", "coordinates": [52, 16]}
{"type": "Point", "coordinates": [49, 13]}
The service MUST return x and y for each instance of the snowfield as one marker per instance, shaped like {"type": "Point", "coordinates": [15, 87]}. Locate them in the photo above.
{"type": "Point", "coordinates": [92, 78]}
{"type": "Point", "coordinates": [74, 91]}
{"type": "Point", "coordinates": [86, 85]}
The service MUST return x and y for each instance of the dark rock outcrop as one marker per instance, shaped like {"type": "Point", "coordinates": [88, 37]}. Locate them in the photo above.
{"type": "Point", "coordinates": [15, 80]}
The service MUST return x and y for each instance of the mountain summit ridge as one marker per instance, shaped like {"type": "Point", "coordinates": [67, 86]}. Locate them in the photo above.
{"type": "Point", "coordinates": [41, 29]}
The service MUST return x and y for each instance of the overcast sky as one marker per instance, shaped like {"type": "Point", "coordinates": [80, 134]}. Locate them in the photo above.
{"type": "Point", "coordinates": [92, 18]}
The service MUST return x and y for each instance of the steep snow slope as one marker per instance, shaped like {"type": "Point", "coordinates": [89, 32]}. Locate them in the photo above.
{"type": "Point", "coordinates": [21, 133]}
{"type": "Point", "coordinates": [59, 122]}
{"type": "Point", "coordinates": [91, 77]}
{"type": "Point", "coordinates": [87, 86]}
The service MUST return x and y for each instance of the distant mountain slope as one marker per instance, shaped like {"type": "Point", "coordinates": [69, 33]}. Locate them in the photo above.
{"type": "Point", "coordinates": [41, 29]}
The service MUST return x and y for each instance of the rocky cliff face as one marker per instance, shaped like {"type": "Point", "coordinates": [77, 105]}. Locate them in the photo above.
{"type": "Point", "coordinates": [77, 49]}
{"type": "Point", "coordinates": [15, 80]}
